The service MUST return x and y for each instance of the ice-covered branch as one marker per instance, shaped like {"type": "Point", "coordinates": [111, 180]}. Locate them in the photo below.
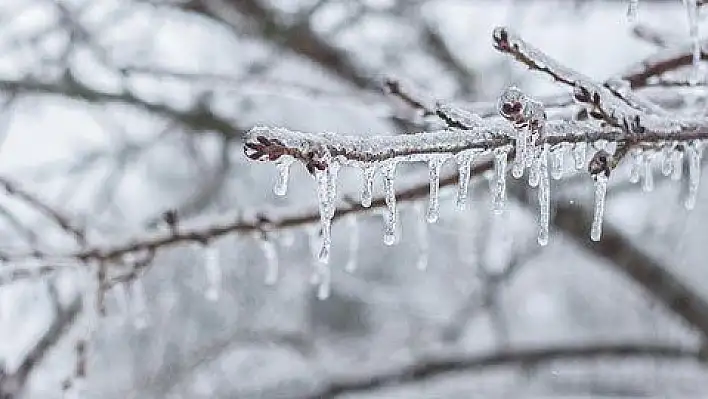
{"type": "Point", "coordinates": [426, 369]}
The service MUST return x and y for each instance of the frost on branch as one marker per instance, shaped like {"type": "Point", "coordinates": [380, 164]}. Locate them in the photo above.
{"type": "Point", "coordinates": [617, 121]}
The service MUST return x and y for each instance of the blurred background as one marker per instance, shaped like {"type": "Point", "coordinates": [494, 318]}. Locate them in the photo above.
{"type": "Point", "coordinates": [115, 111]}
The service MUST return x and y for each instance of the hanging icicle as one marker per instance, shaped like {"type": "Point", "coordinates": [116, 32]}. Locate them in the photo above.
{"type": "Point", "coordinates": [368, 173]}
{"type": "Point", "coordinates": [648, 173]}
{"type": "Point", "coordinates": [557, 155]}
{"type": "Point", "coordinates": [600, 194]}
{"type": "Point", "coordinates": [520, 160]}
{"type": "Point", "coordinates": [270, 253]}
{"type": "Point", "coordinates": [677, 170]}
{"type": "Point", "coordinates": [499, 189]}
{"type": "Point", "coordinates": [693, 152]}
{"type": "Point", "coordinates": [464, 162]}
{"type": "Point", "coordinates": [692, 13]}
{"type": "Point", "coordinates": [637, 166]}
{"type": "Point", "coordinates": [667, 160]}
{"type": "Point", "coordinates": [326, 193]}
{"type": "Point", "coordinates": [422, 233]}
{"type": "Point", "coordinates": [632, 10]}
{"type": "Point", "coordinates": [579, 154]}
{"type": "Point", "coordinates": [535, 170]}
{"type": "Point", "coordinates": [434, 166]}
{"type": "Point", "coordinates": [388, 170]}
{"type": "Point", "coordinates": [353, 232]}
{"type": "Point", "coordinates": [544, 197]}
{"type": "Point", "coordinates": [283, 167]}
{"type": "Point", "coordinates": [213, 273]}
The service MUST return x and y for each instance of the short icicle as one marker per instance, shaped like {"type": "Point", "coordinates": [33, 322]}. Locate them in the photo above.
{"type": "Point", "coordinates": [635, 172]}
{"type": "Point", "coordinates": [517, 169]}
{"type": "Point", "coordinates": [579, 154]}
{"type": "Point", "coordinates": [600, 194]}
{"type": "Point", "coordinates": [557, 157]}
{"type": "Point", "coordinates": [693, 152]}
{"type": "Point", "coordinates": [535, 171]}
{"type": "Point", "coordinates": [353, 232]}
{"type": "Point", "coordinates": [390, 217]}
{"type": "Point", "coordinates": [544, 197]}
{"type": "Point", "coordinates": [213, 273]}
{"type": "Point", "coordinates": [434, 166]}
{"type": "Point", "coordinates": [667, 161]}
{"type": "Point", "coordinates": [422, 233]}
{"type": "Point", "coordinates": [368, 173]}
{"type": "Point", "coordinates": [499, 187]}
{"type": "Point", "coordinates": [283, 166]}
{"type": "Point", "coordinates": [677, 169]}
{"type": "Point", "coordinates": [270, 253]}
{"type": "Point", "coordinates": [648, 173]}
{"type": "Point", "coordinates": [464, 163]}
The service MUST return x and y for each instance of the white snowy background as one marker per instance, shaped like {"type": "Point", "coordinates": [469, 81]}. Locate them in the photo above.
{"type": "Point", "coordinates": [114, 166]}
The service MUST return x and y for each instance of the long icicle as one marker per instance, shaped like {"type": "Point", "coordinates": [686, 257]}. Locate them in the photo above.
{"type": "Point", "coordinates": [390, 217]}
{"type": "Point", "coordinates": [326, 192]}
{"type": "Point", "coordinates": [434, 166]}
{"type": "Point", "coordinates": [499, 186]}
{"type": "Point", "coordinates": [544, 197]}
{"type": "Point", "coordinates": [600, 194]}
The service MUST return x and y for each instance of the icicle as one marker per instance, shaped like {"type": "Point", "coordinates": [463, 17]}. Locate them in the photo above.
{"type": "Point", "coordinates": [557, 155]}
{"type": "Point", "coordinates": [270, 253]}
{"type": "Point", "coordinates": [677, 172]}
{"type": "Point", "coordinates": [632, 9]}
{"type": "Point", "coordinates": [637, 163]}
{"type": "Point", "coordinates": [544, 197]}
{"type": "Point", "coordinates": [600, 192]}
{"type": "Point", "coordinates": [368, 173]}
{"type": "Point", "coordinates": [390, 217]}
{"type": "Point", "coordinates": [579, 155]}
{"type": "Point", "coordinates": [139, 304]}
{"type": "Point", "coordinates": [326, 192]}
{"type": "Point", "coordinates": [464, 162]}
{"type": "Point", "coordinates": [422, 232]}
{"type": "Point", "coordinates": [667, 160]}
{"type": "Point", "coordinates": [534, 172]}
{"type": "Point", "coordinates": [517, 169]}
{"type": "Point", "coordinates": [499, 190]}
{"type": "Point", "coordinates": [122, 301]}
{"type": "Point", "coordinates": [212, 269]}
{"type": "Point", "coordinates": [353, 227]}
{"type": "Point", "coordinates": [287, 238]}
{"type": "Point", "coordinates": [693, 152]}
{"type": "Point", "coordinates": [283, 167]}
{"type": "Point", "coordinates": [692, 11]}
{"type": "Point", "coordinates": [434, 166]}
{"type": "Point", "coordinates": [648, 173]}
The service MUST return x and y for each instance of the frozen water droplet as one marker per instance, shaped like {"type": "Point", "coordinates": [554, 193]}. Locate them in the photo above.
{"type": "Point", "coordinates": [434, 166]}
{"type": "Point", "coordinates": [499, 190]}
{"type": "Point", "coordinates": [212, 270]}
{"type": "Point", "coordinates": [544, 197]}
{"type": "Point", "coordinates": [283, 167]}
{"type": "Point", "coordinates": [390, 217]}
{"type": "Point", "coordinates": [368, 174]}
{"type": "Point", "coordinates": [353, 229]}
{"type": "Point", "coordinates": [600, 194]}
